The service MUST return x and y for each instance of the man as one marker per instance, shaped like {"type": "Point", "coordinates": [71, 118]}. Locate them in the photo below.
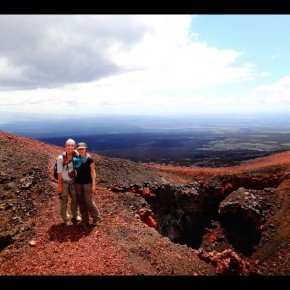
{"type": "Point", "coordinates": [66, 183]}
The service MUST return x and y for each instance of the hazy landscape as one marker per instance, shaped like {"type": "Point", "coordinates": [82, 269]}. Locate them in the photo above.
{"type": "Point", "coordinates": [204, 140]}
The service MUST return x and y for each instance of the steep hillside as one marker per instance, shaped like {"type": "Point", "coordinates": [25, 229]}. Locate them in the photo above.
{"type": "Point", "coordinates": [157, 220]}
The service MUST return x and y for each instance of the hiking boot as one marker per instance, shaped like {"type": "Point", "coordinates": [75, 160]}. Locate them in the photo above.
{"type": "Point", "coordinates": [69, 223]}
{"type": "Point", "coordinates": [76, 220]}
{"type": "Point", "coordinates": [96, 221]}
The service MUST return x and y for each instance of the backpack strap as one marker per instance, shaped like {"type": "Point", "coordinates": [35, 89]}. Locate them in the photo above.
{"type": "Point", "coordinates": [64, 156]}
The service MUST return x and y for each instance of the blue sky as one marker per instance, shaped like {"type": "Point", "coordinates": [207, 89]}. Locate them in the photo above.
{"type": "Point", "coordinates": [144, 64]}
{"type": "Point", "coordinates": [262, 38]}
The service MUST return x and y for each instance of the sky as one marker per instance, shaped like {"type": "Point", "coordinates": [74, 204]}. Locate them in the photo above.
{"type": "Point", "coordinates": [145, 64]}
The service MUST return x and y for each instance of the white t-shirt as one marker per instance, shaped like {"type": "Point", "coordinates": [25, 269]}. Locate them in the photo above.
{"type": "Point", "coordinates": [64, 170]}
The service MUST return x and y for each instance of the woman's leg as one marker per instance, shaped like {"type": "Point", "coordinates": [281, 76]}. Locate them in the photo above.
{"type": "Point", "coordinates": [92, 208]}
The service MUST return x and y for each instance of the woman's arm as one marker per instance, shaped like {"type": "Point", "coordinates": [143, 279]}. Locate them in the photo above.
{"type": "Point", "coordinates": [93, 175]}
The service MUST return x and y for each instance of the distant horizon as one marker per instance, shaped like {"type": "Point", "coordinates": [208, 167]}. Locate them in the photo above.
{"type": "Point", "coordinates": [53, 125]}
{"type": "Point", "coordinates": [176, 114]}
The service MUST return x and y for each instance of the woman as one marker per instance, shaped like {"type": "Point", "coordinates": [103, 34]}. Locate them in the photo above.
{"type": "Point", "coordinates": [86, 185]}
{"type": "Point", "coordinates": [66, 183]}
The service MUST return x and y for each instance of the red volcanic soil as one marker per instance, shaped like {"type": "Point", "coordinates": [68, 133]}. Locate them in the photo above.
{"type": "Point", "coordinates": [38, 244]}
{"type": "Point", "coordinates": [280, 159]}
{"type": "Point", "coordinates": [34, 242]}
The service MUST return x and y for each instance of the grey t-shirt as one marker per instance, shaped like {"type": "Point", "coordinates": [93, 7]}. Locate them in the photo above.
{"type": "Point", "coordinates": [64, 169]}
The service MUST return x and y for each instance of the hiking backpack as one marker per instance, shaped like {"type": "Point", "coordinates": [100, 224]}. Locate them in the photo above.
{"type": "Point", "coordinates": [55, 174]}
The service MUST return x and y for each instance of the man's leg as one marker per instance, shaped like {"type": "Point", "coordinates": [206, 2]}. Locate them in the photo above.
{"type": "Point", "coordinates": [63, 203]}
{"type": "Point", "coordinates": [74, 204]}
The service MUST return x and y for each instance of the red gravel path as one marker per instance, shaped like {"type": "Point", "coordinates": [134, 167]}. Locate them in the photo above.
{"type": "Point", "coordinates": [67, 250]}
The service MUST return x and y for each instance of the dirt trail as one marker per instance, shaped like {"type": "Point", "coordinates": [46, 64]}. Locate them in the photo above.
{"type": "Point", "coordinates": [67, 250]}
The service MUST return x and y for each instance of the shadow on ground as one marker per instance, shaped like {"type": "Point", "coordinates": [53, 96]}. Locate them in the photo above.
{"type": "Point", "coordinates": [63, 233]}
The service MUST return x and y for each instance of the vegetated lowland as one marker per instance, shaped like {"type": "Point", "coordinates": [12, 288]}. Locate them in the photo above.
{"type": "Point", "coordinates": [157, 219]}
{"type": "Point", "coordinates": [204, 147]}
{"type": "Point", "coordinates": [203, 140]}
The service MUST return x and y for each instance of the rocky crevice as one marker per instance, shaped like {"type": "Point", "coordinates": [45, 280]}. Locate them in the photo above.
{"type": "Point", "coordinates": [230, 210]}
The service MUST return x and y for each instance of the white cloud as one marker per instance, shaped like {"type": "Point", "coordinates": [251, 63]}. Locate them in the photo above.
{"type": "Point", "coordinates": [276, 94]}
{"type": "Point", "coordinates": [274, 97]}
{"type": "Point", "coordinates": [264, 74]}
{"type": "Point", "coordinates": [170, 60]}
{"type": "Point", "coordinates": [52, 50]}
{"type": "Point", "coordinates": [276, 56]}
{"type": "Point", "coordinates": [119, 64]}
{"type": "Point", "coordinates": [8, 72]}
